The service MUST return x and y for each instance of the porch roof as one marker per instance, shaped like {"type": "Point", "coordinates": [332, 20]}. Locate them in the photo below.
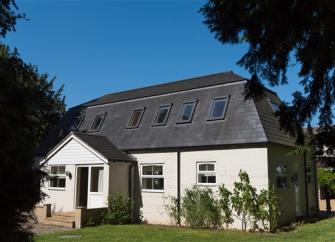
{"type": "Point", "coordinates": [104, 146]}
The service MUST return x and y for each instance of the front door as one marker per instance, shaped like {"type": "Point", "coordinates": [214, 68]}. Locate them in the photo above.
{"type": "Point", "coordinates": [82, 185]}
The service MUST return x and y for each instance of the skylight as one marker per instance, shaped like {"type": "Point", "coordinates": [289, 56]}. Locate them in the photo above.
{"type": "Point", "coordinates": [218, 109]}
{"type": "Point", "coordinates": [186, 112]}
{"type": "Point", "coordinates": [275, 106]}
{"type": "Point", "coordinates": [97, 123]}
{"type": "Point", "coordinates": [135, 118]}
{"type": "Point", "coordinates": [162, 115]}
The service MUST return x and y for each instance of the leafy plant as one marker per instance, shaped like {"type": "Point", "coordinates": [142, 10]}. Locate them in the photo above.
{"type": "Point", "coordinates": [171, 206]}
{"type": "Point", "coordinates": [200, 208]}
{"type": "Point", "coordinates": [225, 205]}
{"type": "Point", "coordinates": [119, 210]}
{"type": "Point", "coordinates": [326, 179]}
{"type": "Point", "coordinates": [244, 201]}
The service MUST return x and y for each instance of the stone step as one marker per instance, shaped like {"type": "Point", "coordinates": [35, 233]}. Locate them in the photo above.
{"type": "Point", "coordinates": [65, 214]}
{"type": "Point", "coordinates": [68, 223]}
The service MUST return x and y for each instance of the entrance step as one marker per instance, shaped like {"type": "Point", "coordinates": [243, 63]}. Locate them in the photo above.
{"type": "Point", "coordinates": [66, 219]}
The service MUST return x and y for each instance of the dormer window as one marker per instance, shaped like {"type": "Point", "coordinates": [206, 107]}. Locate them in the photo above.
{"type": "Point", "coordinates": [162, 115]}
{"type": "Point", "coordinates": [135, 118]}
{"type": "Point", "coordinates": [97, 122]}
{"type": "Point", "coordinates": [218, 108]}
{"type": "Point", "coordinates": [186, 112]}
{"type": "Point", "coordinates": [275, 106]}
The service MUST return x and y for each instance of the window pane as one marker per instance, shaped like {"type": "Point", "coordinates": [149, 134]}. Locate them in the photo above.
{"type": "Point", "coordinates": [158, 183]}
{"type": "Point", "coordinates": [202, 178]}
{"type": "Point", "coordinates": [275, 106]}
{"type": "Point", "coordinates": [61, 182]}
{"type": "Point", "coordinates": [202, 167]}
{"type": "Point", "coordinates": [281, 182]}
{"type": "Point", "coordinates": [158, 170]}
{"type": "Point", "coordinates": [147, 170]}
{"type": "Point", "coordinates": [162, 115]}
{"type": "Point", "coordinates": [211, 179]}
{"type": "Point", "coordinates": [97, 179]}
{"type": "Point", "coordinates": [210, 167]}
{"type": "Point", "coordinates": [146, 183]}
{"type": "Point", "coordinates": [54, 170]}
{"type": "Point", "coordinates": [218, 108]}
{"type": "Point", "coordinates": [186, 112]}
{"type": "Point", "coordinates": [281, 169]}
{"type": "Point", "coordinates": [97, 122]}
{"type": "Point", "coordinates": [135, 118]}
{"type": "Point", "coordinates": [53, 182]}
{"type": "Point", "coordinates": [61, 170]}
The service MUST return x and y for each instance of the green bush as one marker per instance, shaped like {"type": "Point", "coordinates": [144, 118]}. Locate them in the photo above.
{"type": "Point", "coordinates": [119, 210]}
{"type": "Point", "coordinates": [225, 205]}
{"type": "Point", "coordinates": [171, 206]}
{"type": "Point", "coordinates": [200, 208]}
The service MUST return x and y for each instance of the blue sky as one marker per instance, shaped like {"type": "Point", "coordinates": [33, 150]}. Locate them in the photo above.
{"type": "Point", "coordinates": [99, 47]}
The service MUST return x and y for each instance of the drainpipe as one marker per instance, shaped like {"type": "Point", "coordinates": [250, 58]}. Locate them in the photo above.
{"type": "Point", "coordinates": [306, 185]}
{"type": "Point", "coordinates": [178, 187]}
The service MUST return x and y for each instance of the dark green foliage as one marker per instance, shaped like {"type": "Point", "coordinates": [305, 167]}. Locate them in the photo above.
{"type": "Point", "coordinates": [8, 16]}
{"type": "Point", "coordinates": [29, 108]}
{"type": "Point", "coordinates": [171, 206]}
{"type": "Point", "coordinates": [280, 33]}
{"type": "Point", "coordinates": [119, 210]}
{"type": "Point", "coordinates": [200, 209]}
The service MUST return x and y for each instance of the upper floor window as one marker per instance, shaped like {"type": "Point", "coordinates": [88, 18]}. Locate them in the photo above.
{"type": "Point", "coordinates": [206, 174]}
{"type": "Point", "coordinates": [80, 122]}
{"type": "Point", "coordinates": [218, 108]}
{"type": "Point", "coordinates": [97, 122]}
{"type": "Point", "coordinates": [152, 177]}
{"type": "Point", "coordinates": [135, 118]}
{"type": "Point", "coordinates": [162, 115]}
{"type": "Point", "coordinates": [186, 112]}
{"type": "Point", "coordinates": [57, 177]}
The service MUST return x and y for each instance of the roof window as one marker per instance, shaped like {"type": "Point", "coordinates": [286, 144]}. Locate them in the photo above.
{"type": "Point", "coordinates": [187, 112]}
{"type": "Point", "coordinates": [135, 118]}
{"type": "Point", "coordinates": [162, 115]}
{"type": "Point", "coordinates": [218, 108]}
{"type": "Point", "coordinates": [97, 122]}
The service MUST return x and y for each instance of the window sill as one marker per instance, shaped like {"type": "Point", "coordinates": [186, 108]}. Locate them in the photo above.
{"type": "Point", "coordinates": [57, 188]}
{"type": "Point", "coordinates": [152, 191]}
{"type": "Point", "coordinates": [207, 184]}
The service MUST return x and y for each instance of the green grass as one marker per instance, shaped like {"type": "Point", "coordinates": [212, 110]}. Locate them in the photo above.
{"type": "Point", "coordinates": [320, 231]}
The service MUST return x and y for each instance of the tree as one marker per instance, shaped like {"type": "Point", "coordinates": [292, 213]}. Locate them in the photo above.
{"type": "Point", "coordinates": [29, 108]}
{"type": "Point", "coordinates": [278, 32]}
{"type": "Point", "coordinates": [8, 16]}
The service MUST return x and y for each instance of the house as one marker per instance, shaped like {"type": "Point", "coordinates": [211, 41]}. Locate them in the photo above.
{"type": "Point", "coordinates": [154, 142]}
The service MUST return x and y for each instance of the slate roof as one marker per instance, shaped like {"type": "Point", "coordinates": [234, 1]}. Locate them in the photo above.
{"type": "Point", "coordinates": [246, 121]}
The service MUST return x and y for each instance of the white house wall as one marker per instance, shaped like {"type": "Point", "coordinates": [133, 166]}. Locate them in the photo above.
{"type": "Point", "coordinates": [228, 164]}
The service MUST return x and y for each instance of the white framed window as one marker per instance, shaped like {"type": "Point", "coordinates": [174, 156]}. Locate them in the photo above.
{"type": "Point", "coordinates": [97, 175]}
{"type": "Point", "coordinates": [97, 122]}
{"type": "Point", "coordinates": [218, 108]}
{"type": "Point", "coordinates": [186, 112]}
{"type": "Point", "coordinates": [57, 177]}
{"type": "Point", "coordinates": [206, 173]}
{"type": "Point", "coordinates": [162, 115]}
{"type": "Point", "coordinates": [282, 175]}
{"type": "Point", "coordinates": [152, 177]}
{"type": "Point", "coordinates": [135, 118]}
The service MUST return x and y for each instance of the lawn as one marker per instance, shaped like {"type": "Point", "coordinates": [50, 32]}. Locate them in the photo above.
{"type": "Point", "coordinates": [320, 231]}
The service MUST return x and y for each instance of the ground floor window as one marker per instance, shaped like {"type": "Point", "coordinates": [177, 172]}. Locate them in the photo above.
{"type": "Point", "coordinates": [281, 175]}
{"type": "Point", "coordinates": [97, 179]}
{"type": "Point", "coordinates": [57, 177]}
{"type": "Point", "coordinates": [152, 177]}
{"type": "Point", "coordinates": [206, 174]}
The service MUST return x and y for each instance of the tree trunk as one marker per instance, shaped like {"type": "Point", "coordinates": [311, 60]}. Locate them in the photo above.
{"type": "Point", "coordinates": [328, 206]}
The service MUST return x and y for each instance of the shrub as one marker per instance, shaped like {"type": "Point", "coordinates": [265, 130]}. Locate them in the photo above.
{"type": "Point", "coordinates": [200, 209]}
{"type": "Point", "coordinates": [171, 207]}
{"type": "Point", "coordinates": [119, 210]}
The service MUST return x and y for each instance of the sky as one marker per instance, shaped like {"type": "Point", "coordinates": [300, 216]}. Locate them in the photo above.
{"type": "Point", "coordinates": [98, 47]}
